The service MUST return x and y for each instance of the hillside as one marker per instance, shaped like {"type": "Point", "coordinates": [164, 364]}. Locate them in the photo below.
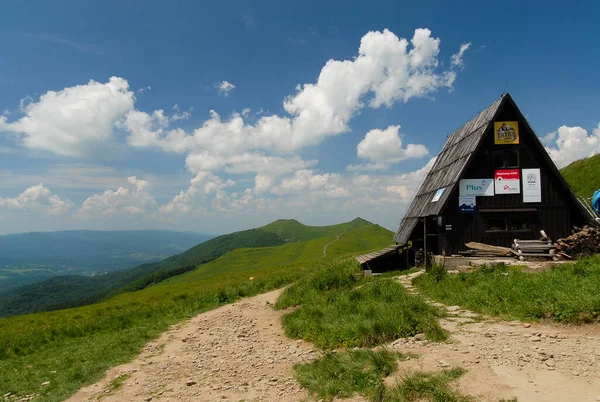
{"type": "Point", "coordinates": [73, 290]}
{"type": "Point", "coordinates": [292, 230]}
{"type": "Point", "coordinates": [365, 236]}
{"type": "Point", "coordinates": [77, 345]}
{"type": "Point", "coordinates": [32, 257]}
{"type": "Point", "coordinates": [583, 176]}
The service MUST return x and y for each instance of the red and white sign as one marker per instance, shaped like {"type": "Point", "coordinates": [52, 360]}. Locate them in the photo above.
{"type": "Point", "coordinates": [507, 181]}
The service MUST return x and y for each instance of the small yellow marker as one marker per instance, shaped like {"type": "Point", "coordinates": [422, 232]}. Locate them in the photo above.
{"type": "Point", "coordinates": [251, 278]}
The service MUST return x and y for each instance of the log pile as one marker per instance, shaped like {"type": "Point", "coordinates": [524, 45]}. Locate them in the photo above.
{"type": "Point", "coordinates": [579, 244]}
{"type": "Point", "coordinates": [542, 248]}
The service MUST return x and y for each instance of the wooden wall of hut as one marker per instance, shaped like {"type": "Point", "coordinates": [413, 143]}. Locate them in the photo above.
{"type": "Point", "coordinates": [555, 214]}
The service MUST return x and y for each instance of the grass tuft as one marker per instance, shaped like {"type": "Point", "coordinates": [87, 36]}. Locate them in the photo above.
{"type": "Point", "coordinates": [344, 374]}
{"type": "Point", "coordinates": [337, 307]}
{"type": "Point", "coordinates": [347, 373]}
{"type": "Point", "coordinates": [566, 293]}
{"type": "Point", "coordinates": [423, 386]}
{"type": "Point", "coordinates": [117, 383]}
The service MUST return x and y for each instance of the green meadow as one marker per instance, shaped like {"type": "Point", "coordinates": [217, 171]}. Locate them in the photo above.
{"type": "Point", "coordinates": [74, 347]}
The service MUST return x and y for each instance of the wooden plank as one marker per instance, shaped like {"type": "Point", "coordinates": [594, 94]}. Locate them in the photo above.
{"type": "Point", "coordinates": [508, 210]}
{"type": "Point", "coordinates": [486, 247]}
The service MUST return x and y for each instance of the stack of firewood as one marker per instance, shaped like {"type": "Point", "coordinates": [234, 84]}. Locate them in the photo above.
{"type": "Point", "coordinates": [579, 244]}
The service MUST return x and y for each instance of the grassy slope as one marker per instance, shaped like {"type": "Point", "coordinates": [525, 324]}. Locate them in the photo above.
{"type": "Point", "coordinates": [366, 237]}
{"type": "Point", "coordinates": [75, 291]}
{"type": "Point", "coordinates": [582, 176]}
{"type": "Point", "coordinates": [81, 343]}
{"type": "Point", "coordinates": [565, 293]}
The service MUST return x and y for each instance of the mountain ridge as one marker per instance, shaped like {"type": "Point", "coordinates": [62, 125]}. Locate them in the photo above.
{"type": "Point", "coordinates": [74, 291]}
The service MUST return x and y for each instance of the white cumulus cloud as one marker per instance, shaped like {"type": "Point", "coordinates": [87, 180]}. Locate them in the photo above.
{"type": "Point", "coordinates": [76, 121]}
{"type": "Point", "coordinates": [387, 69]}
{"type": "Point", "coordinates": [203, 185]}
{"type": "Point", "coordinates": [571, 144]}
{"type": "Point", "coordinates": [385, 147]}
{"type": "Point", "coordinates": [135, 198]}
{"type": "Point", "coordinates": [37, 198]}
{"type": "Point", "coordinates": [306, 181]}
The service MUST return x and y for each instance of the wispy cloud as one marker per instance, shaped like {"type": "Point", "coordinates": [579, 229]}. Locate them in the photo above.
{"type": "Point", "coordinates": [313, 30]}
{"type": "Point", "coordinates": [6, 150]}
{"type": "Point", "coordinates": [224, 87]}
{"type": "Point", "coordinates": [249, 21]}
{"type": "Point", "coordinates": [457, 59]}
{"type": "Point", "coordinates": [296, 41]}
{"type": "Point", "coordinates": [61, 40]}
{"type": "Point", "coordinates": [147, 88]}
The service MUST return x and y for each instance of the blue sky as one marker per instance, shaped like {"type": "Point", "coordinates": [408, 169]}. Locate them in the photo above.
{"type": "Point", "coordinates": [325, 113]}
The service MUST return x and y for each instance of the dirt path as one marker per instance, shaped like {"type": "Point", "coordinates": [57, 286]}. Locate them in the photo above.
{"type": "Point", "coordinates": [507, 360]}
{"type": "Point", "coordinates": [331, 242]}
{"type": "Point", "coordinates": [236, 352]}
{"type": "Point", "coordinates": [239, 352]}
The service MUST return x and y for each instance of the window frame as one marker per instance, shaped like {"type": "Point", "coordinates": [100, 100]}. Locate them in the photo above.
{"type": "Point", "coordinates": [503, 155]}
{"type": "Point", "coordinates": [526, 219]}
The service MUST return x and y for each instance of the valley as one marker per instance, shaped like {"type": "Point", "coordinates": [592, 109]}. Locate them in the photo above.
{"type": "Point", "coordinates": [28, 258]}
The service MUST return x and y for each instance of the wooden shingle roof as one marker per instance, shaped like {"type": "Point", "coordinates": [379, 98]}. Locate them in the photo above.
{"type": "Point", "coordinates": [366, 258]}
{"type": "Point", "coordinates": [447, 170]}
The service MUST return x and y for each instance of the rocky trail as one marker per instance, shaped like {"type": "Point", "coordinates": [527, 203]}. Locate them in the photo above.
{"type": "Point", "coordinates": [239, 352]}
{"type": "Point", "coordinates": [506, 360]}
{"type": "Point", "coordinates": [236, 352]}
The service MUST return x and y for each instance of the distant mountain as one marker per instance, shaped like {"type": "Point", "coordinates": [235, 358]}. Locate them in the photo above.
{"type": "Point", "coordinates": [583, 176]}
{"type": "Point", "coordinates": [292, 230]}
{"type": "Point", "coordinates": [31, 257]}
{"type": "Point", "coordinates": [74, 290]}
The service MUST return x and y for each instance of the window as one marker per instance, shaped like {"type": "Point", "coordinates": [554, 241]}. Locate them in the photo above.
{"type": "Point", "coordinates": [495, 225]}
{"type": "Point", "coordinates": [505, 158]}
{"type": "Point", "coordinates": [514, 223]}
{"type": "Point", "coordinates": [512, 158]}
{"type": "Point", "coordinates": [499, 162]}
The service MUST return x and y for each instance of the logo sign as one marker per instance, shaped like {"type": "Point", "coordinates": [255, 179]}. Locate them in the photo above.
{"type": "Point", "coordinates": [467, 203]}
{"type": "Point", "coordinates": [483, 187]}
{"type": "Point", "coordinates": [532, 185]}
{"type": "Point", "coordinates": [507, 181]}
{"type": "Point", "coordinates": [438, 194]}
{"type": "Point", "coordinates": [506, 132]}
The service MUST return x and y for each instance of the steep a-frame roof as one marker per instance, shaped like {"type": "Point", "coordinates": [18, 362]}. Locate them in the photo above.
{"type": "Point", "coordinates": [447, 170]}
{"type": "Point", "coordinates": [452, 162]}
